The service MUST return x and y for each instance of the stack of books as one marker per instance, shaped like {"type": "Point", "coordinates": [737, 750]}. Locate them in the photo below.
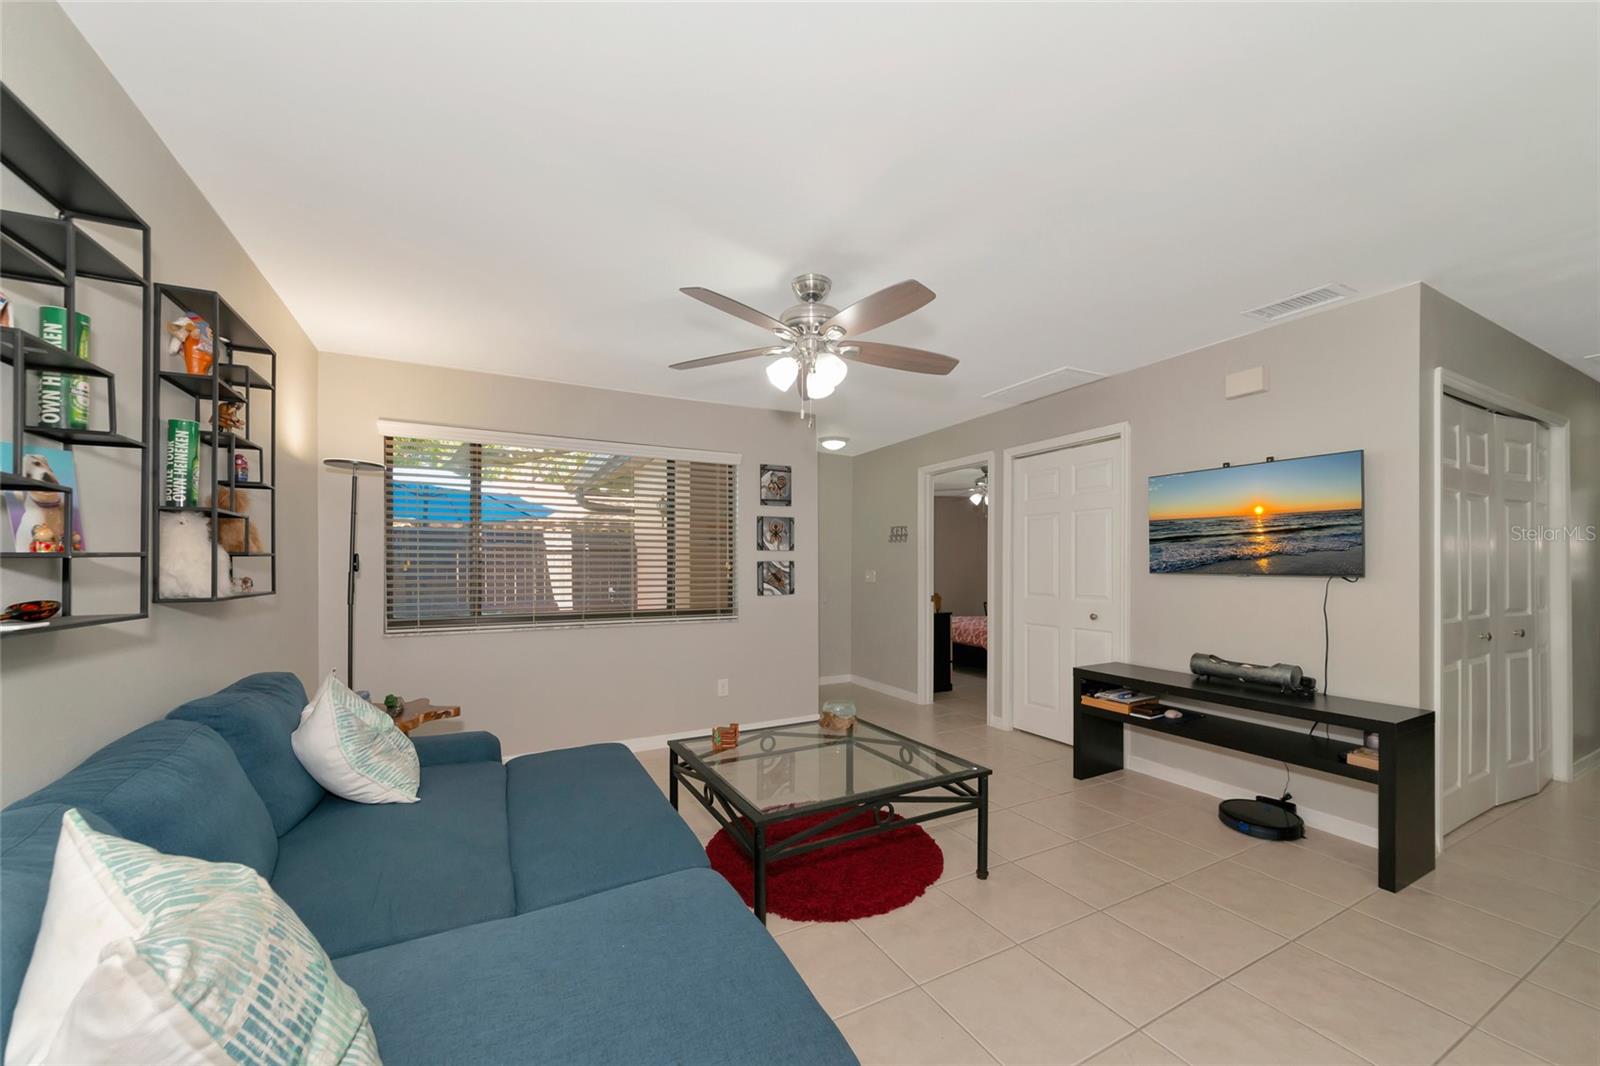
{"type": "Point", "coordinates": [1366, 757]}
{"type": "Point", "coordinates": [1123, 701]}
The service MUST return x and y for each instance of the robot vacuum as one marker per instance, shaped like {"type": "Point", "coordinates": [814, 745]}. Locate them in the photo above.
{"type": "Point", "coordinates": [1268, 819]}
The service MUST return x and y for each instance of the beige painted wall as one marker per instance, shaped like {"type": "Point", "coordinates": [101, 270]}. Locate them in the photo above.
{"type": "Point", "coordinates": [1465, 342]}
{"type": "Point", "coordinates": [65, 694]}
{"type": "Point", "coordinates": [960, 554]}
{"type": "Point", "coordinates": [1345, 378]}
{"type": "Point", "coordinates": [552, 688]}
{"type": "Point", "coordinates": [834, 486]}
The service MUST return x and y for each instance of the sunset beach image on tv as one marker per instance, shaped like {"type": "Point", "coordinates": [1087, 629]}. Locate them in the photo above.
{"type": "Point", "coordinates": [1292, 517]}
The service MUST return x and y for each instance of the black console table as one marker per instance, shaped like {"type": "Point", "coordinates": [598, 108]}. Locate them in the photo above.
{"type": "Point", "coordinates": [1405, 747]}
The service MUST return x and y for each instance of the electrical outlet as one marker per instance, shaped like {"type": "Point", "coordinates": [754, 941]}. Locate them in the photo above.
{"type": "Point", "coordinates": [872, 577]}
{"type": "Point", "coordinates": [722, 686]}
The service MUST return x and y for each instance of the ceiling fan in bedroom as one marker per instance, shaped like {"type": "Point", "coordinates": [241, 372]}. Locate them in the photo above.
{"type": "Point", "coordinates": [816, 343]}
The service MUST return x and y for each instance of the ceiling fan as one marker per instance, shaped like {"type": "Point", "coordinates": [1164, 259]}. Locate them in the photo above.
{"type": "Point", "coordinates": [817, 342]}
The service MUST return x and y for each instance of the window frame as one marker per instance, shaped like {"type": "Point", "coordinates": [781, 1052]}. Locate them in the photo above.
{"type": "Point", "coordinates": [477, 439]}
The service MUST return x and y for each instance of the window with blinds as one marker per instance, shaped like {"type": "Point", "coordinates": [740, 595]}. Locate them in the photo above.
{"type": "Point", "coordinates": [483, 535]}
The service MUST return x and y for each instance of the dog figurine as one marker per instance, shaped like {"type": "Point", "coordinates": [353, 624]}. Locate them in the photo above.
{"type": "Point", "coordinates": [42, 508]}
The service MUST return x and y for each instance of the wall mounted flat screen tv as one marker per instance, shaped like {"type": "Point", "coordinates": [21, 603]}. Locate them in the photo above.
{"type": "Point", "coordinates": [1294, 517]}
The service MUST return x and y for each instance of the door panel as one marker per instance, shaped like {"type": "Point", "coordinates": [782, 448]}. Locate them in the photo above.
{"type": "Point", "coordinates": [1516, 618]}
{"type": "Point", "coordinates": [1041, 667]}
{"type": "Point", "coordinates": [1466, 784]}
{"type": "Point", "coordinates": [1067, 575]}
{"type": "Point", "coordinates": [1091, 555]}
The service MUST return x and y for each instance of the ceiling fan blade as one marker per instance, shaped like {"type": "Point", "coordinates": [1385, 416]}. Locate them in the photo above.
{"type": "Point", "coordinates": [895, 357]}
{"type": "Point", "coordinates": [733, 307]}
{"type": "Point", "coordinates": [730, 357]}
{"type": "Point", "coordinates": [881, 308]}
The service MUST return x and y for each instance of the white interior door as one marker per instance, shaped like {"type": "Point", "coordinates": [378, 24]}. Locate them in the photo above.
{"type": "Point", "coordinates": [1521, 611]}
{"type": "Point", "coordinates": [1066, 515]}
{"type": "Point", "coordinates": [1466, 681]}
{"type": "Point", "coordinates": [1494, 622]}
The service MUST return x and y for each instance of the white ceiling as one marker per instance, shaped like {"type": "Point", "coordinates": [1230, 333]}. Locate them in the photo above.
{"type": "Point", "coordinates": [523, 189]}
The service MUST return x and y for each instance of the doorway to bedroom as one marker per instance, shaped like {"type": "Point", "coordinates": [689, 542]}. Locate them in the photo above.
{"type": "Point", "coordinates": [956, 554]}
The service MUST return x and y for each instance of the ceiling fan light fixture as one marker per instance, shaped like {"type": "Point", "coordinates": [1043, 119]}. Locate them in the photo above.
{"type": "Point", "coordinates": [782, 372]}
{"type": "Point", "coordinates": [825, 376]}
{"type": "Point", "coordinates": [832, 369]}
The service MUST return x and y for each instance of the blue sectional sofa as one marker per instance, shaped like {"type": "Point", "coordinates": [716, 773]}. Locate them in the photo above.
{"type": "Point", "coordinates": [549, 909]}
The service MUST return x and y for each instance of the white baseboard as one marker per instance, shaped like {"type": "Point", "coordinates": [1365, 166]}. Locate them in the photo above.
{"type": "Point", "coordinates": [834, 679]}
{"type": "Point", "coordinates": [1328, 823]}
{"type": "Point", "coordinates": [1586, 762]}
{"type": "Point", "coordinates": [876, 686]}
{"type": "Point", "coordinates": [654, 743]}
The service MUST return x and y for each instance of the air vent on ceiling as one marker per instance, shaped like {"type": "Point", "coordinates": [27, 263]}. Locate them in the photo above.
{"type": "Point", "coordinates": [1301, 301]}
{"type": "Point", "coordinates": [1040, 385]}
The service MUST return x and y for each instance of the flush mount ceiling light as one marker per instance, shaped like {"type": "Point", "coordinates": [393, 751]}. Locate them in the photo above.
{"type": "Point", "coordinates": [815, 340]}
{"type": "Point", "coordinates": [834, 444]}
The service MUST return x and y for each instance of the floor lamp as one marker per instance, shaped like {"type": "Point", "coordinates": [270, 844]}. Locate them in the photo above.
{"type": "Point", "coordinates": [354, 466]}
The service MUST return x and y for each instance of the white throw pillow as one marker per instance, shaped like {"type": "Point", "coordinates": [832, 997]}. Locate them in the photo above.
{"type": "Point", "coordinates": [355, 750]}
{"type": "Point", "coordinates": [145, 957]}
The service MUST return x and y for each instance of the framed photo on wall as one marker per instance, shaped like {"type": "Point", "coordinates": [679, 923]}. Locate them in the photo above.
{"type": "Point", "coordinates": [775, 579]}
{"type": "Point", "coordinates": [774, 533]}
{"type": "Point", "coordinates": [777, 489]}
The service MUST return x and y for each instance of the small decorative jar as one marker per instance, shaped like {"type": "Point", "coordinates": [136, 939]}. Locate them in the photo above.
{"type": "Point", "coordinates": [838, 717]}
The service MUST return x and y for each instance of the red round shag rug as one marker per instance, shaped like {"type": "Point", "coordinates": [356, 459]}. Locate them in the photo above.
{"type": "Point", "coordinates": [857, 879]}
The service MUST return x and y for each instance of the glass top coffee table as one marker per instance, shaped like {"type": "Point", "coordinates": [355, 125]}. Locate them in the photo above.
{"type": "Point", "coordinates": [785, 772]}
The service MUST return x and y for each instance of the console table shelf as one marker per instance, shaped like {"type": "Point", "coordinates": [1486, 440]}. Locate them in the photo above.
{"type": "Point", "coordinates": [1285, 745]}
{"type": "Point", "coordinates": [1404, 777]}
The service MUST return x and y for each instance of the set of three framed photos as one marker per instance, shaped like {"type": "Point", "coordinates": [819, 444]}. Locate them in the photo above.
{"type": "Point", "coordinates": [775, 533]}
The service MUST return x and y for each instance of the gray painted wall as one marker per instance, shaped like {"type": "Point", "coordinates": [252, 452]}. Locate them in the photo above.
{"type": "Point", "coordinates": [65, 694]}
{"type": "Point", "coordinates": [834, 486]}
{"type": "Point", "coordinates": [960, 554]}
{"type": "Point", "coordinates": [1345, 378]}
{"type": "Point", "coordinates": [552, 688]}
{"type": "Point", "coordinates": [1465, 342]}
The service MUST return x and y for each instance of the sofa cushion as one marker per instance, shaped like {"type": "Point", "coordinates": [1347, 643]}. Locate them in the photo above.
{"type": "Point", "coordinates": [672, 969]}
{"type": "Point", "coordinates": [28, 837]}
{"type": "Point", "coordinates": [587, 819]}
{"type": "Point", "coordinates": [255, 716]}
{"type": "Point", "coordinates": [362, 875]}
{"type": "Point", "coordinates": [473, 745]}
{"type": "Point", "coordinates": [176, 787]}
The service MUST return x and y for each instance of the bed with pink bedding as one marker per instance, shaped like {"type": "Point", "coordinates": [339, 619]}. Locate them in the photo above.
{"type": "Point", "coordinates": [970, 629]}
{"type": "Point", "coordinates": [969, 642]}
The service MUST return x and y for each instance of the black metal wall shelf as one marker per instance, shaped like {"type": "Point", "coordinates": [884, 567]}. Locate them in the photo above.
{"type": "Point", "coordinates": [228, 381]}
{"type": "Point", "coordinates": [57, 252]}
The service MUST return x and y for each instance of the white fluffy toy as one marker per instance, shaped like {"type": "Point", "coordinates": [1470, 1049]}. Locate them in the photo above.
{"type": "Point", "coordinates": [186, 553]}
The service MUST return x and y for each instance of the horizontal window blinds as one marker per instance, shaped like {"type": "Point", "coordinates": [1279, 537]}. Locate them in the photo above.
{"type": "Point", "coordinates": [488, 535]}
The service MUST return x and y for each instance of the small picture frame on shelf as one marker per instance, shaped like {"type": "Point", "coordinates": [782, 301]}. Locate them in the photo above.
{"type": "Point", "coordinates": [775, 578]}
{"type": "Point", "coordinates": [777, 489]}
{"type": "Point", "coordinates": [774, 533]}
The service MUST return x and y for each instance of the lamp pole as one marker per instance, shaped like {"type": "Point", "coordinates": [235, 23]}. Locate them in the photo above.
{"type": "Point", "coordinates": [352, 563]}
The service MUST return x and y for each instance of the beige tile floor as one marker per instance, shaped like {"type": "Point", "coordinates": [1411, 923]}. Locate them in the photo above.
{"type": "Point", "coordinates": [1122, 923]}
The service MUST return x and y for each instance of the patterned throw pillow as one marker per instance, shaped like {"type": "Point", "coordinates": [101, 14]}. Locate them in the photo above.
{"type": "Point", "coordinates": [354, 749]}
{"type": "Point", "coordinates": [145, 957]}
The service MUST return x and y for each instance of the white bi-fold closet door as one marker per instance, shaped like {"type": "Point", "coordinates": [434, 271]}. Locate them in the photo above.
{"type": "Point", "coordinates": [1067, 577]}
{"type": "Point", "coordinates": [1494, 610]}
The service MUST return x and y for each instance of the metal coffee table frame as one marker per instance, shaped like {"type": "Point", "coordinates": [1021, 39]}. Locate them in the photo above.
{"type": "Point", "coordinates": [943, 795]}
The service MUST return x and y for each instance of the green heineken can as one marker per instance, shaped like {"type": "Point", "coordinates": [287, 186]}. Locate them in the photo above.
{"type": "Point", "coordinates": [63, 399]}
{"type": "Point", "coordinates": [180, 477]}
